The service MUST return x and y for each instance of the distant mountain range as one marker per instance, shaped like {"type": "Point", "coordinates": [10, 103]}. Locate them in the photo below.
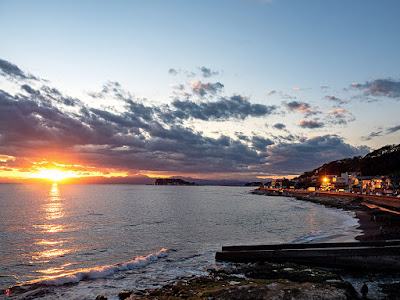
{"type": "Point", "coordinates": [223, 182]}
{"type": "Point", "coordinates": [383, 161]}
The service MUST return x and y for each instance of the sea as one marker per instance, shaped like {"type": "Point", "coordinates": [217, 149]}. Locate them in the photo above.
{"type": "Point", "coordinates": [80, 241]}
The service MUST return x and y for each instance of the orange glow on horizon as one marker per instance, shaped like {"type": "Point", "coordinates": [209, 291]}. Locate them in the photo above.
{"type": "Point", "coordinates": [155, 175]}
{"type": "Point", "coordinates": [54, 174]}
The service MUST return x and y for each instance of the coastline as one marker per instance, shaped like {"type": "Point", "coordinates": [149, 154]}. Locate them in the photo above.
{"type": "Point", "coordinates": [371, 220]}
{"type": "Point", "coordinates": [281, 281]}
{"type": "Point", "coordinates": [372, 216]}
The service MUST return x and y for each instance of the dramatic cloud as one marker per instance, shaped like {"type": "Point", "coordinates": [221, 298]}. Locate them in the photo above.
{"type": "Point", "coordinates": [225, 108]}
{"type": "Point", "coordinates": [112, 89]}
{"type": "Point", "coordinates": [260, 143]}
{"type": "Point", "coordinates": [131, 140]}
{"type": "Point", "coordinates": [310, 124]}
{"type": "Point", "coordinates": [172, 72]}
{"type": "Point", "coordinates": [204, 71]}
{"type": "Point", "coordinates": [372, 135]}
{"type": "Point", "coordinates": [179, 87]}
{"type": "Point", "coordinates": [40, 125]}
{"type": "Point", "coordinates": [202, 89]}
{"type": "Point", "coordinates": [25, 122]}
{"type": "Point", "coordinates": [380, 87]}
{"type": "Point", "coordinates": [340, 116]}
{"type": "Point", "coordinates": [309, 153]}
{"type": "Point", "coordinates": [279, 126]}
{"type": "Point", "coordinates": [241, 136]}
{"type": "Point", "coordinates": [30, 90]}
{"type": "Point", "coordinates": [207, 72]}
{"type": "Point", "coordinates": [336, 100]}
{"type": "Point", "coordinates": [9, 69]}
{"type": "Point", "coordinates": [301, 107]}
{"type": "Point", "coordinates": [393, 129]}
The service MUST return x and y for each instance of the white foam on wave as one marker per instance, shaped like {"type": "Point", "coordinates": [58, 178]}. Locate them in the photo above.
{"type": "Point", "coordinates": [102, 271]}
{"type": "Point", "coordinates": [309, 237]}
{"type": "Point", "coordinates": [352, 221]}
{"type": "Point", "coordinates": [344, 232]}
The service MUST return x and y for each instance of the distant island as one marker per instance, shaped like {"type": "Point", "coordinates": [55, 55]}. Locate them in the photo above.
{"type": "Point", "coordinates": [172, 181]}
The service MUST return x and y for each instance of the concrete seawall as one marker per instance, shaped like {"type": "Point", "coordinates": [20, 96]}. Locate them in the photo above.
{"type": "Point", "coordinates": [373, 255]}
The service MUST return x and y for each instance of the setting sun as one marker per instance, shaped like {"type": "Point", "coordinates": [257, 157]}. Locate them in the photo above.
{"type": "Point", "coordinates": [54, 174]}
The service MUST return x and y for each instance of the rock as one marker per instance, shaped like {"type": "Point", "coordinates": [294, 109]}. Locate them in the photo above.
{"type": "Point", "coordinates": [101, 297]}
{"type": "Point", "coordinates": [124, 294]}
{"type": "Point", "coordinates": [140, 292]}
{"type": "Point", "coordinates": [273, 286]}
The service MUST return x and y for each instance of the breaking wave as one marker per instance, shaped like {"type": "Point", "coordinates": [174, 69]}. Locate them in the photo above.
{"type": "Point", "coordinates": [307, 238]}
{"type": "Point", "coordinates": [96, 272]}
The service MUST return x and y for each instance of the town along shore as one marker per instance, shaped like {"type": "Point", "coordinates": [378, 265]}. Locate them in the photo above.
{"type": "Point", "coordinates": [379, 216]}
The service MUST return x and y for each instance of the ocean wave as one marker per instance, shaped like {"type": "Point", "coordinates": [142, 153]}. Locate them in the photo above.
{"type": "Point", "coordinates": [309, 237]}
{"type": "Point", "coordinates": [95, 272]}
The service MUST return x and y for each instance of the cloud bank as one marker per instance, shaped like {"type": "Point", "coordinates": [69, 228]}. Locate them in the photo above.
{"type": "Point", "coordinates": [40, 125]}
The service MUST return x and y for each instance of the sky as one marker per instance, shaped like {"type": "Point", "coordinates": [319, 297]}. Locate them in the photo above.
{"type": "Point", "coordinates": [238, 89]}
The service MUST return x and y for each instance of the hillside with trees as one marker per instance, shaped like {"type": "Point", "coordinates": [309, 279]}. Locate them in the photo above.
{"type": "Point", "coordinates": [383, 161]}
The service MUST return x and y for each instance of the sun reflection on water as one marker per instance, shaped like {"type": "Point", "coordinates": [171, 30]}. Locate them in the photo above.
{"type": "Point", "coordinates": [55, 270]}
{"type": "Point", "coordinates": [51, 253]}
{"type": "Point", "coordinates": [45, 242]}
{"type": "Point", "coordinates": [54, 210]}
{"type": "Point", "coordinates": [50, 228]}
{"type": "Point", "coordinates": [52, 218]}
{"type": "Point", "coordinates": [54, 190]}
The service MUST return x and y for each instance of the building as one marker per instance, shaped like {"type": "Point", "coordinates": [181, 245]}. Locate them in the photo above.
{"type": "Point", "coordinates": [327, 183]}
{"type": "Point", "coordinates": [378, 185]}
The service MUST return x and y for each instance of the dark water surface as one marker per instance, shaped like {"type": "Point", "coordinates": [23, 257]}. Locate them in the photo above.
{"type": "Point", "coordinates": [105, 238]}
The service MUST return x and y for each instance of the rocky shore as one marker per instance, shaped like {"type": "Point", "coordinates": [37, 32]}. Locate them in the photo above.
{"type": "Point", "coordinates": [253, 281]}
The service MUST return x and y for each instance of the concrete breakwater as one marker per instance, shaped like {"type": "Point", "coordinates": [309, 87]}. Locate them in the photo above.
{"type": "Point", "coordinates": [382, 255]}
